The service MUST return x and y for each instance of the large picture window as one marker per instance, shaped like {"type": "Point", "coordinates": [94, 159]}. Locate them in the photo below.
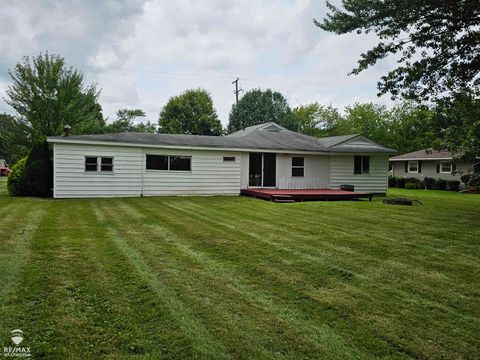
{"type": "Point", "coordinates": [157, 162]}
{"type": "Point", "coordinates": [180, 163]}
{"type": "Point", "coordinates": [169, 162]}
{"type": "Point", "coordinates": [298, 166]}
{"type": "Point", "coordinates": [361, 164]}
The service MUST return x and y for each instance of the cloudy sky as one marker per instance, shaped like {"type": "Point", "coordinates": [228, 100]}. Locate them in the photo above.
{"type": "Point", "coordinates": [142, 52]}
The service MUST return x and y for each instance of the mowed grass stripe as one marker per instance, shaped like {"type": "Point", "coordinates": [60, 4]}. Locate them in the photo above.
{"type": "Point", "coordinates": [199, 279]}
{"type": "Point", "coordinates": [323, 231]}
{"type": "Point", "coordinates": [202, 341]}
{"type": "Point", "coordinates": [191, 236]}
{"type": "Point", "coordinates": [15, 244]}
{"type": "Point", "coordinates": [223, 278]}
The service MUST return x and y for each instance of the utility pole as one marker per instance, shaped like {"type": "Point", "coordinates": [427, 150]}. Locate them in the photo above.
{"type": "Point", "coordinates": [236, 91]}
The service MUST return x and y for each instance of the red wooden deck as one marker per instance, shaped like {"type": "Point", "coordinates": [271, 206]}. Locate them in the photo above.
{"type": "Point", "coordinates": [291, 195]}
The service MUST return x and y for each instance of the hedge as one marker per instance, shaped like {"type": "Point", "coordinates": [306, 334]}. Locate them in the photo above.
{"type": "Point", "coordinates": [453, 185]}
{"type": "Point", "coordinates": [34, 176]}
{"type": "Point", "coordinates": [429, 183]}
{"type": "Point", "coordinates": [441, 184]}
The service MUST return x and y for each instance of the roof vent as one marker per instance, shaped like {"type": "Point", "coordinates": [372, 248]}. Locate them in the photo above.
{"type": "Point", "coordinates": [66, 130]}
{"type": "Point", "coordinates": [273, 128]}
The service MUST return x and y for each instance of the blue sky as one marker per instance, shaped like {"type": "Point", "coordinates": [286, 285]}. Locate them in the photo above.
{"type": "Point", "coordinates": [140, 53]}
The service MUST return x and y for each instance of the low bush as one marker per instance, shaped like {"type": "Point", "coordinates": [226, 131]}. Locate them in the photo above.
{"type": "Point", "coordinates": [411, 185]}
{"type": "Point", "coordinates": [475, 180]}
{"type": "Point", "coordinates": [441, 184]}
{"type": "Point", "coordinates": [453, 185]}
{"type": "Point", "coordinates": [16, 180]}
{"type": "Point", "coordinates": [391, 181]}
{"type": "Point", "coordinates": [413, 180]}
{"type": "Point", "coordinates": [465, 178]}
{"type": "Point", "coordinates": [400, 182]}
{"type": "Point", "coordinates": [429, 183]}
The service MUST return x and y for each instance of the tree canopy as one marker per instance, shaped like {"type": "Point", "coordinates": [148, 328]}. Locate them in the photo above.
{"type": "Point", "coordinates": [14, 138]}
{"type": "Point", "coordinates": [316, 120]}
{"type": "Point", "coordinates": [405, 127]}
{"type": "Point", "coordinates": [191, 112]}
{"type": "Point", "coordinates": [437, 43]}
{"type": "Point", "coordinates": [47, 96]}
{"type": "Point", "coordinates": [457, 125]}
{"type": "Point", "coordinates": [260, 106]}
{"type": "Point", "coordinates": [126, 122]}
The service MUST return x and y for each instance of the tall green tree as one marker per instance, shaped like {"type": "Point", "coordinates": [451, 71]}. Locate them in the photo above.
{"type": "Point", "coordinates": [125, 121]}
{"type": "Point", "coordinates": [411, 128]}
{"type": "Point", "coordinates": [260, 106]}
{"type": "Point", "coordinates": [316, 120]}
{"type": "Point", "coordinates": [370, 120]}
{"type": "Point", "coordinates": [190, 113]}
{"type": "Point", "coordinates": [14, 138]}
{"type": "Point", "coordinates": [437, 43]}
{"type": "Point", "coordinates": [48, 95]}
{"type": "Point", "coordinates": [457, 125]}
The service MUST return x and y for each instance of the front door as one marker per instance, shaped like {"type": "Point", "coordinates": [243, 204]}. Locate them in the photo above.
{"type": "Point", "coordinates": [262, 170]}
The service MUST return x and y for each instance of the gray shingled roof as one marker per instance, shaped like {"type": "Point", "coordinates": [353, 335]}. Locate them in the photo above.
{"type": "Point", "coordinates": [424, 154]}
{"type": "Point", "coordinates": [253, 137]}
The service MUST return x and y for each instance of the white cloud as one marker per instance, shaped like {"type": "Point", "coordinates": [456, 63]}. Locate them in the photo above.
{"type": "Point", "coordinates": [141, 53]}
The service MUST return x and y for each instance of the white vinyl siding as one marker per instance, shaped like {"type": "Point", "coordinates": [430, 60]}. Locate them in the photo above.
{"type": "Point", "coordinates": [210, 175]}
{"type": "Point", "coordinates": [71, 179]}
{"type": "Point", "coordinates": [316, 172]}
{"type": "Point", "coordinates": [341, 172]}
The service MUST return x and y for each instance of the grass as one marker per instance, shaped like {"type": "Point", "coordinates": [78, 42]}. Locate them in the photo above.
{"type": "Point", "coordinates": [238, 278]}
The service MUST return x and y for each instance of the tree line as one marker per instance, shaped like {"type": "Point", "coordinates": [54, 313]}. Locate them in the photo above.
{"type": "Point", "coordinates": [46, 95]}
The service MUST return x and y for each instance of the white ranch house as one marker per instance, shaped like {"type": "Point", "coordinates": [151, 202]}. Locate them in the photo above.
{"type": "Point", "coordinates": [261, 156]}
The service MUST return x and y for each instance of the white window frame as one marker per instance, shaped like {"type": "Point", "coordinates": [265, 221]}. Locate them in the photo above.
{"type": "Point", "coordinates": [442, 163]}
{"type": "Point", "coordinates": [168, 163]}
{"type": "Point", "coordinates": [409, 167]}
{"type": "Point", "coordinates": [298, 166]}
{"type": "Point", "coordinates": [99, 165]}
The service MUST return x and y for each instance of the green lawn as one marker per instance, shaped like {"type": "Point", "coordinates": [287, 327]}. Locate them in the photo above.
{"type": "Point", "coordinates": [239, 278]}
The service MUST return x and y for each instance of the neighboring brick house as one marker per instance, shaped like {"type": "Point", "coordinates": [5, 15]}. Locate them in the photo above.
{"type": "Point", "coordinates": [428, 163]}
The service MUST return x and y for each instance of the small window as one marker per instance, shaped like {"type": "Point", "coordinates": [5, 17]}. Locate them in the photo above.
{"type": "Point", "coordinates": [106, 164]}
{"type": "Point", "coordinates": [180, 163]}
{"type": "Point", "coordinates": [91, 163]}
{"type": "Point", "coordinates": [446, 167]}
{"type": "Point", "coordinates": [228, 158]}
{"type": "Point", "coordinates": [298, 167]}
{"type": "Point", "coordinates": [413, 167]}
{"type": "Point", "coordinates": [157, 162]}
{"type": "Point", "coordinates": [361, 164]}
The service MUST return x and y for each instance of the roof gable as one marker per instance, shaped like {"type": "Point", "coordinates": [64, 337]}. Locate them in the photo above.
{"type": "Point", "coordinates": [358, 143]}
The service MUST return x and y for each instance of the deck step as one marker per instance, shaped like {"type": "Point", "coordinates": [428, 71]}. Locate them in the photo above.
{"type": "Point", "coordinates": [283, 198]}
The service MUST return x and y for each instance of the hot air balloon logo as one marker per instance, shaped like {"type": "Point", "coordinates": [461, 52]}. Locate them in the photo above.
{"type": "Point", "coordinates": [17, 336]}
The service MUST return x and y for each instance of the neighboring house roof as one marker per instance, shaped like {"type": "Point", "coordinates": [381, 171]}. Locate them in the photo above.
{"type": "Point", "coordinates": [424, 154]}
{"type": "Point", "coordinates": [268, 136]}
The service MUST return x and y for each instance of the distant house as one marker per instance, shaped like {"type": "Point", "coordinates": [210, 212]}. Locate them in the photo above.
{"type": "Point", "coordinates": [429, 163]}
{"type": "Point", "coordinates": [261, 156]}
